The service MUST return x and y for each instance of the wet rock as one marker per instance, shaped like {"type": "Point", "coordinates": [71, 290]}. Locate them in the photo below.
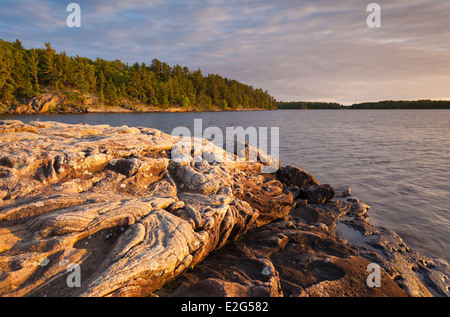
{"type": "Point", "coordinates": [343, 192]}
{"type": "Point", "coordinates": [414, 273]}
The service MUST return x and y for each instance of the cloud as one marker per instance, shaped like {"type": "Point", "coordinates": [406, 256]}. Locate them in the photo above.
{"type": "Point", "coordinates": [297, 50]}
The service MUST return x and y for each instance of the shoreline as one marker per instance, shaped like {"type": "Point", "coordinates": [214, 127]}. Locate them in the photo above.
{"type": "Point", "coordinates": [124, 110]}
{"type": "Point", "coordinates": [106, 111]}
{"type": "Point", "coordinates": [60, 103]}
{"type": "Point", "coordinates": [98, 196]}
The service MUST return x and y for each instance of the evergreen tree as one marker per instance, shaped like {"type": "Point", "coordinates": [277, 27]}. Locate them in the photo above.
{"type": "Point", "coordinates": [18, 45]}
{"type": "Point", "coordinates": [33, 67]}
{"type": "Point", "coordinates": [49, 69]}
{"type": "Point", "coordinates": [101, 85]}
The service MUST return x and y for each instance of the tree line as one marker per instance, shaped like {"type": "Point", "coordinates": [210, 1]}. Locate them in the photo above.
{"type": "Point", "coordinates": [25, 73]}
{"type": "Point", "coordinates": [304, 105]}
{"type": "Point", "coordinates": [401, 104]}
{"type": "Point", "coordinates": [388, 104]}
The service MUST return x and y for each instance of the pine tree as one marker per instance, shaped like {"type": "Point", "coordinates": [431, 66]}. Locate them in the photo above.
{"type": "Point", "coordinates": [33, 67]}
{"type": "Point", "coordinates": [101, 85]}
{"type": "Point", "coordinates": [163, 95]}
{"type": "Point", "coordinates": [20, 74]}
{"type": "Point", "coordinates": [49, 68]}
{"type": "Point", "coordinates": [18, 45]}
{"type": "Point", "coordinates": [7, 85]}
{"type": "Point", "coordinates": [111, 92]}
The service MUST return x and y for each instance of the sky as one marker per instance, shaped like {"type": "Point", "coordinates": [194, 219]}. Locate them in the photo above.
{"type": "Point", "coordinates": [297, 50]}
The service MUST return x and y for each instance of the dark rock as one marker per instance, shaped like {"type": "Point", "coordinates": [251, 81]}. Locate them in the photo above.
{"type": "Point", "coordinates": [272, 204]}
{"type": "Point", "coordinates": [282, 259]}
{"type": "Point", "coordinates": [126, 167]}
{"type": "Point", "coordinates": [316, 194]}
{"type": "Point", "coordinates": [294, 176]}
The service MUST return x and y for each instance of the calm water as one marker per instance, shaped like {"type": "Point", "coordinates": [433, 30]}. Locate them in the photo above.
{"type": "Point", "coordinates": [397, 161]}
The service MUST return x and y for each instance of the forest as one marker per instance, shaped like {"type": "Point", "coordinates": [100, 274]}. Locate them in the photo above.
{"type": "Point", "coordinates": [26, 73]}
{"type": "Point", "coordinates": [388, 104]}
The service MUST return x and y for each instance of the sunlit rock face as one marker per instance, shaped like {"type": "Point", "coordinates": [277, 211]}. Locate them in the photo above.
{"type": "Point", "coordinates": [113, 202]}
{"type": "Point", "coordinates": [106, 211]}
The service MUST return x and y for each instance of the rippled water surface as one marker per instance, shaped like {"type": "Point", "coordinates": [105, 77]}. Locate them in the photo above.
{"type": "Point", "coordinates": [397, 161]}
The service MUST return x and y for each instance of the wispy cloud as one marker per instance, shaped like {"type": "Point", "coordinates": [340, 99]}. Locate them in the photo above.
{"type": "Point", "coordinates": [305, 49]}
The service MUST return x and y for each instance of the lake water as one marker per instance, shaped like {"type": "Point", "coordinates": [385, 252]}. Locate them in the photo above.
{"type": "Point", "coordinates": [397, 161]}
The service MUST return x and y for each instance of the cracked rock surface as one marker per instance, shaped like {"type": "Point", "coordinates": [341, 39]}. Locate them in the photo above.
{"type": "Point", "coordinates": [113, 203]}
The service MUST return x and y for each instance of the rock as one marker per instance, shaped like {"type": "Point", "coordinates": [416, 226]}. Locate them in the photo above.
{"type": "Point", "coordinates": [414, 273]}
{"type": "Point", "coordinates": [293, 258]}
{"type": "Point", "coordinates": [43, 103]}
{"type": "Point", "coordinates": [46, 102]}
{"type": "Point", "coordinates": [343, 192]}
{"type": "Point", "coordinates": [282, 259]}
{"type": "Point", "coordinates": [111, 201]}
{"type": "Point", "coordinates": [294, 176]}
{"type": "Point", "coordinates": [249, 153]}
{"type": "Point", "coordinates": [137, 221]}
{"type": "Point", "coordinates": [265, 193]}
{"type": "Point", "coordinates": [316, 194]}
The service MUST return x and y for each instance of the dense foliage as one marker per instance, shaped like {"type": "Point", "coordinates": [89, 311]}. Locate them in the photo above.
{"type": "Point", "coordinates": [25, 73]}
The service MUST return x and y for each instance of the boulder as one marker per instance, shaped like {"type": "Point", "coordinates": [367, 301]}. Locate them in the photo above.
{"type": "Point", "coordinates": [294, 176]}
{"type": "Point", "coordinates": [316, 194]}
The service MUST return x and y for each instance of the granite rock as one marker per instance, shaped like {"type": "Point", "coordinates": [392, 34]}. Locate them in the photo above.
{"type": "Point", "coordinates": [136, 212]}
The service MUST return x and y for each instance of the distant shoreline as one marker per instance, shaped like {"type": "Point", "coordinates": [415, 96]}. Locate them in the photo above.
{"type": "Point", "coordinates": [348, 108]}
{"type": "Point", "coordinates": [125, 111]}
{"type": "Point", "coordinates": [58, 103]}
{"type": "Point", "coordinates": [380, 105]}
